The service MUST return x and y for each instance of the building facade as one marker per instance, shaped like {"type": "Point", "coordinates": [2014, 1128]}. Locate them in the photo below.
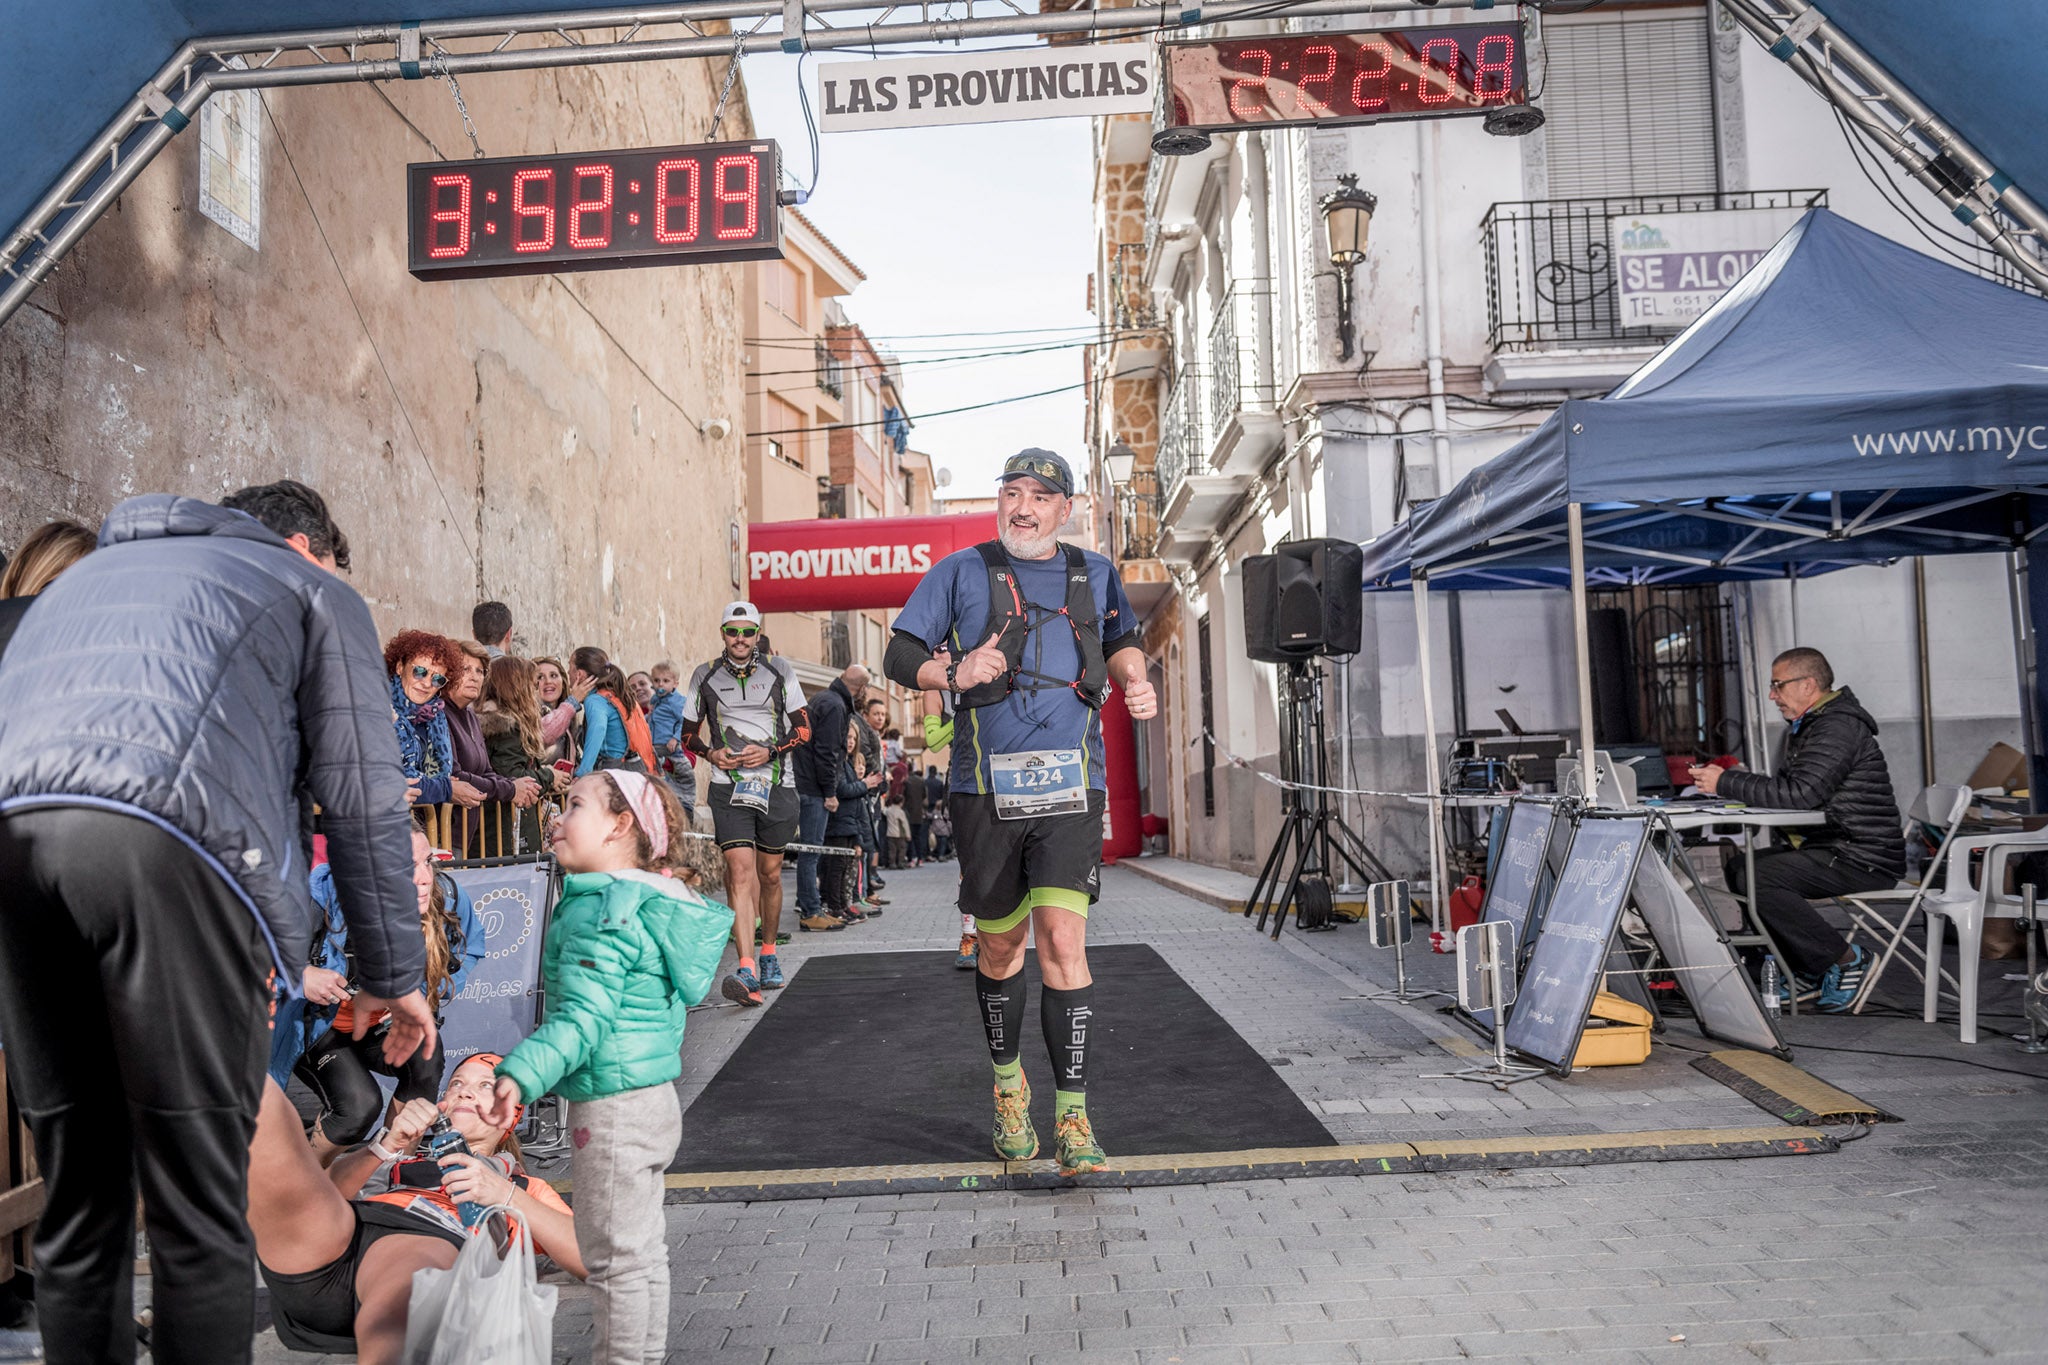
{"type": "Point", "coordinates": [553, 441]}
{"type": "Point", "coordinates": [1487, 294]}
{"type": "Point", "coordinates": [828, 434]}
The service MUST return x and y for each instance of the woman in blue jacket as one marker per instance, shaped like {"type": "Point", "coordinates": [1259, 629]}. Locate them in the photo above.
{"type": "Point", "coordinates": [340, 1069]}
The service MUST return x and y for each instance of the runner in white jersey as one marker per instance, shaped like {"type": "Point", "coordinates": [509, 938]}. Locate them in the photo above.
{"type": "Point", "coordinates": [743, 715]}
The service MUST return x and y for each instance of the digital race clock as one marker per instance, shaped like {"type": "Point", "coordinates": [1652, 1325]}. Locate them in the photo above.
{"type": "Point", "coordinates": [524, 215]}
{"type": "Point", "coordinates": [1281, 79]}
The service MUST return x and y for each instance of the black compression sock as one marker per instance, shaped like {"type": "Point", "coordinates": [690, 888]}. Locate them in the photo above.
{"type": "Point", "coordinates": [1064, 1016]}
{"type": "Point", "coordinates": [1002, 1018]}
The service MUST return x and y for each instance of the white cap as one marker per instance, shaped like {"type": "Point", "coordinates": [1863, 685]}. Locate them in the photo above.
{"type": "Point", "coordinates": [739, 611]}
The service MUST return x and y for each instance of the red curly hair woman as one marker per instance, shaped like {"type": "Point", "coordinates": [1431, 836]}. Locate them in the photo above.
{"type": "Point", "coordinates": [421, 664]}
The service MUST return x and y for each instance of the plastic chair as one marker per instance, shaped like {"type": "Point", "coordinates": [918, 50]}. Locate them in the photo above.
{"type": "Point", "coordinates": [1945, 805]}
{"type": "Point", "coordinates": [1968, 906]}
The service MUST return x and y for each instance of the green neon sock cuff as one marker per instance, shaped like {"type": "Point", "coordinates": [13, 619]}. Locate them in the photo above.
{"type": "Point", "coordinates": [1010, 1075]}
{"type": "Point", "coordinates": [1065, 1100]}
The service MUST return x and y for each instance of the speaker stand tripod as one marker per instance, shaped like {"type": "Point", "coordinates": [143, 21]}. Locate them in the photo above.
{"type": "Point", "coordinates": [1311, 843]}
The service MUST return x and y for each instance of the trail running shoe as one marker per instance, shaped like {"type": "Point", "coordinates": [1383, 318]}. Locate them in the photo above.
{"type": "Point", "coordinates": [1015, 1138]}
{"type": "Point", "coordinates": [968, 958]}
{"type": "Point", "coordinates": [820, 923]}
{"type": "Point", "coordinates": [742, 988]}
{"type": "Point", "coordinates": [1075, 1145]}
{"type": "Point", "coordinates": [1842, 983]}
{"type": "Point", "coordinates": [771, 972]}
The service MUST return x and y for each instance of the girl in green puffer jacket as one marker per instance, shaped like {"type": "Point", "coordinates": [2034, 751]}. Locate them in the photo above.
{"type": "Point", "coordinates": [628, 952]}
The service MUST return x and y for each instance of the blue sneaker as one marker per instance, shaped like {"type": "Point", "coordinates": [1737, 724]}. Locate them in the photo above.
{"type": "Point", "coordinates": [771, 971]}
{"type": "Point", "coordinates": [1843, 982]}
{"type": "Point", "coordinates": [742, 988]}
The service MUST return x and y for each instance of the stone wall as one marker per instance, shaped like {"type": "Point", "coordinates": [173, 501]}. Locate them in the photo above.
{"type": "Point", "coordinates": [533, 439]}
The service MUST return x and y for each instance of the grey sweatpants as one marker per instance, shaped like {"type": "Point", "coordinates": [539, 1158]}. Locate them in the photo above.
{"type": "Point", "coordinates": [623, 1145]}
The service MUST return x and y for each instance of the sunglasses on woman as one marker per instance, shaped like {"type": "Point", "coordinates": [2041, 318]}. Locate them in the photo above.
{"type": "Point", "coordinates": [425, 674]}
{"type": "Point", "coordinates": [743, 632]}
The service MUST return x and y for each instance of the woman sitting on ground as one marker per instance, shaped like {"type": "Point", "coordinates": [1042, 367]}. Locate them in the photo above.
{"type": "Point", "coordinates": [421, 664]}
{"type": "Point", "coordinates": [510, 716]}
{"type": "Point", "coordinates": [341, 1070]}
{"type": "Point", "coordinates": [339, 1262]}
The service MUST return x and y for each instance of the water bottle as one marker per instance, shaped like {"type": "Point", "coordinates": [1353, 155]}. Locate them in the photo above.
{"type": "Point", "coordinates": [1770, 986]}
{"type": "Point", "coordinates": [444, 1141]}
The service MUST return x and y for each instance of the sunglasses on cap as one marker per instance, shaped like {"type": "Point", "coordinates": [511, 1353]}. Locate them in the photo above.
{"type": "Point", "coordinates": [743, 632]}
{"type": "Point", "coordinates": [1026, 464]}
{"type": "Point", "coordinates": [426, 674]}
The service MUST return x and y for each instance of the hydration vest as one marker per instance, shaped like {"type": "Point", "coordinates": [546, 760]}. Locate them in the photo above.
{"type": "Point", "coordinates": [1019, 620]}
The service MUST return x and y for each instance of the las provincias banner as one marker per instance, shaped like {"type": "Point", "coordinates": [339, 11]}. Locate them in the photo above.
{"type": "Point", "coordinates": [982, 86]}
{"type": "Point", "coordinates": [848, 564]}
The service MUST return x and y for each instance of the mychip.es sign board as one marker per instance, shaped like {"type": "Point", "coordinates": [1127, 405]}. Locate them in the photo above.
{"type": "Point", "coordinates": [984, 87]}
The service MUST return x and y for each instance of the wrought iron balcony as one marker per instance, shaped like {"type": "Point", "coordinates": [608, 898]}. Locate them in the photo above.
{"type": "Point", "coordinates": [837, 637]}
{"type": "Point", "coordinates": [1183, 430]}
{"type": "Point", "coordinates": [1550, 269]}
{"type": "Point", "coordinates": [1237, 344]}
{"type": "Point", "coordinates": [831, 370]}
{"type": "Point", "coordinates": [1137, 516]}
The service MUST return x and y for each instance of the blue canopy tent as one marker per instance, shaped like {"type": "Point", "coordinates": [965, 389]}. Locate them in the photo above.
{"type": "Point", "coordinates": [1849, 401]}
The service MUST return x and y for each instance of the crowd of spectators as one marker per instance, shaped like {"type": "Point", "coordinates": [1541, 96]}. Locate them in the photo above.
{"type": "Point", "coordinates": [489, 740]}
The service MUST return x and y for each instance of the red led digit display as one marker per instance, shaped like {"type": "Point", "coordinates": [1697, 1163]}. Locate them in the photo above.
{"type": "Point", "coordinates": [594, 210]}
{"type": "Point", "coordinates": [1277, 79]}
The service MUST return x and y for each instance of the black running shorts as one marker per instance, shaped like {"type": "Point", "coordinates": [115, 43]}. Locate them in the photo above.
{"type": "Point", "coordinates": [1002, 860]}
{"type": "Point", "coordinates": [744, 827]}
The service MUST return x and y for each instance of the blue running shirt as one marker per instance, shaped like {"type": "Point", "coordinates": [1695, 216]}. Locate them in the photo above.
{"type": "Point", "coordinates": [950, 607]}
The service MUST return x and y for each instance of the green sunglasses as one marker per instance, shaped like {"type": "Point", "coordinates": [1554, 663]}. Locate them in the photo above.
{"type": "Point", "coordinates": [743, 632]}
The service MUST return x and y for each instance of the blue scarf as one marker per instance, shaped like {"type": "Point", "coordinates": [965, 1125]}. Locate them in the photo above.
{"type": "Point", "coordinates": [420, 726]}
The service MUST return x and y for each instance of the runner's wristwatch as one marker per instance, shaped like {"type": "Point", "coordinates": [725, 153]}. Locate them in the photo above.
{"type": "Point", "coordinates": [952, 679]}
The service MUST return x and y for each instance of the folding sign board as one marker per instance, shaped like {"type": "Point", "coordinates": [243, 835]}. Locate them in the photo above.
{"type": "Point", "coordinates": [500, 1002]}
{"type": "Point", "coordinates": [1724, 1003]}
{"type": "Point", "coordinates": [1519, 879]}
{"type": "Point", "coordinates": [1570, 952]}
{"type": "Point", "coordinates": [1388, 920]}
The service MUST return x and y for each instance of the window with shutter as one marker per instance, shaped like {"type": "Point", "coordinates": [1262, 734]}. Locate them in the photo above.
{"type": "Point", "coordinates": [1629, 101]}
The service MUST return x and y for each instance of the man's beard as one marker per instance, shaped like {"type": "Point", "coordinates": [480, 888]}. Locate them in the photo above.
{"type": "Point", "coordinates": [1025, 546]}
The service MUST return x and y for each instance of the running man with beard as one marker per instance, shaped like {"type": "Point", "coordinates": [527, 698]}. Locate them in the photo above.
{"type": "Point", "coordinates": [753, 709]}
{"type": "Point", "coordinates": [1036, 630]}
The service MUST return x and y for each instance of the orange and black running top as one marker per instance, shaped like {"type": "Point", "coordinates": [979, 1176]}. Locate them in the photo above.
{"type": "Point", "coordinates": [414, 1184]}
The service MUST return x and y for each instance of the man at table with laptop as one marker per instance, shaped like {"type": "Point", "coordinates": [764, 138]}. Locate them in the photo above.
{"type": "Point", "coordinates": [1832, 764]}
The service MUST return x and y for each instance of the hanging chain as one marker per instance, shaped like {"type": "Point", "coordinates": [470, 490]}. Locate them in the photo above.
{"type": "Point", "coordinates": [437, 65]}
{"type": "Point", "coordinates": [732, 72]}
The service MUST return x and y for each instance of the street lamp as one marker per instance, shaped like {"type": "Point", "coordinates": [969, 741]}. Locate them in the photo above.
{"type": "Point", "coordinates": [1347, 215]}
{"type": "Point", "coordinates": [1120, 462]}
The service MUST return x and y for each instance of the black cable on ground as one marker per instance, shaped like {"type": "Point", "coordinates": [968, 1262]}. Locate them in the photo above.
{"type": "Point", "coordinates": [1924, 1057]}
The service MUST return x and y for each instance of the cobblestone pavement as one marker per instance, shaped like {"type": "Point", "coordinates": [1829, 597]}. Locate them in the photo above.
{"type": "Point", "coordinates": [1921, 1241]}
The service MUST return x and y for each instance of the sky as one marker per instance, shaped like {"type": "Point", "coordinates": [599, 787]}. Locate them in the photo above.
{"type": "Point", "coordinates": [981, 228]}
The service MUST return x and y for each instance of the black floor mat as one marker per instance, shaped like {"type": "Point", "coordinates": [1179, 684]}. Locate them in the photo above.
{"type": "Point", "coordinates": [877, 1059]}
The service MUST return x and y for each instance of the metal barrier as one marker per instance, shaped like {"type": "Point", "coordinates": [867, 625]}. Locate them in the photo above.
{"type": "Point", "coordinates": [487, 831]}
{"type": "Point", "coordinates": [21, 1184]}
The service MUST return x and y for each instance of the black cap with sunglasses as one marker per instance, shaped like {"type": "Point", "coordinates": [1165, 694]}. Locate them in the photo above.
{"type": "Point", "coordinates": [1050, 470]}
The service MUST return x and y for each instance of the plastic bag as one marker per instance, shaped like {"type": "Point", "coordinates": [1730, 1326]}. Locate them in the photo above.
{"type": "Point", "coordinates": [484, 1308]}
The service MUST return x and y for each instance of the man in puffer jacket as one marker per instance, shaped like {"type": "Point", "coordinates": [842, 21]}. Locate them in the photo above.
{"type": "Point", "coordinates": [1834, 765]}
{"type": "Point", "coordinates": [213, 680]}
